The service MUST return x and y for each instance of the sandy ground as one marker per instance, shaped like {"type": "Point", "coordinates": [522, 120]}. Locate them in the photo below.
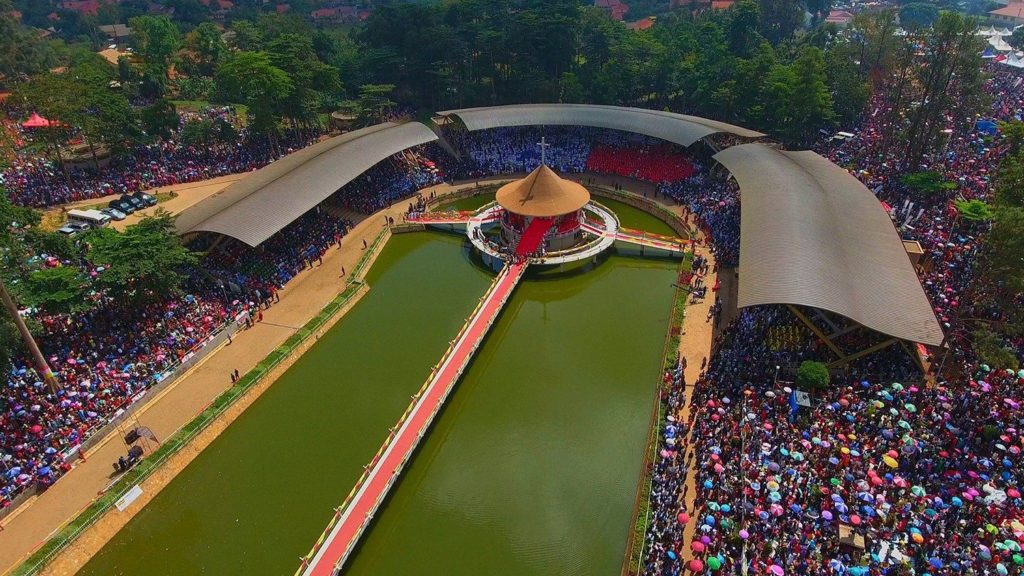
{"type": "Point", "coordinates": [302, 298]}
{"type": "Point", "coordinates": [305, 295]}
{"type": "Point", "coordinates": [93, 539]}
{"type": "Point", "coordinates": [187, 195]}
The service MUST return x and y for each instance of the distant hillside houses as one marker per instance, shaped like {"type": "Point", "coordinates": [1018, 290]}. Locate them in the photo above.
{"type": "Point", "coordinates": [340, 14]}
{"type": "Point", "coordinates": [616, 9]}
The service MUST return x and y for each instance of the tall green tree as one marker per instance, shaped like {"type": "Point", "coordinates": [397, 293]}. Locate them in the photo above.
{"type": "Point", "coordinates": [203, 49]}
{"type": "Point", "coordinates": [251, 78]}
{"type": "Point", "coordinates": [950, 82]}
{"type": "Point", "coordinates": [744, 21]}
{"type": "Point", "coordinates": [157, 40]}
{"type": "Point", "coordinates": [374, 102]}
{"type": "Point", "coordinates": [780, 19]}
{"type": "Point", "coordinates": [245, 36]}
{"type": "Point", "coordinates": [144, 263]}
{"type": "Point", "coordinates": [811, 102]}
{"type": "Point", "coordinates": [57, 97]}
{"type": "Point", "coordinates": [315, 85]}
{"type": "Point", "coordinates": [918, 15]}
{"type": "Point", "coordinates": [1004, 248]}
{"type": "Point", "coordinates": [160, 119]}
{"type": "Point", "coordinates": [59, 290]}
{"type": "Point", "coordinates": [22, 52]}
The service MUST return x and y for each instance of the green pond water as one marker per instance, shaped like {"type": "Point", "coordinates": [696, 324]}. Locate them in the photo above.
{"type": "Point", "coordinates": [530, 469]}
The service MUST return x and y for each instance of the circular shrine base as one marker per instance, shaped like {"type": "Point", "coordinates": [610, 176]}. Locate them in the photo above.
{"type": "Point", "coordinates": [599, 228]}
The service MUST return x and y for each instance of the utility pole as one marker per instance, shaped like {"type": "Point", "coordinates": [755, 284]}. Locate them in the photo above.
{"type": "Point", "coordinates": [30, 343]}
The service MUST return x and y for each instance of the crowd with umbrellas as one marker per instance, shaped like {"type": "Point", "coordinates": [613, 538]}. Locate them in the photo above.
{"type": "Point", "coordinates": [885, 471]}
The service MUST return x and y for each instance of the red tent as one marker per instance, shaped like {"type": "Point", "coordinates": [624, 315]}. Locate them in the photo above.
{"type": "Point", "coordinates": [36, 121]}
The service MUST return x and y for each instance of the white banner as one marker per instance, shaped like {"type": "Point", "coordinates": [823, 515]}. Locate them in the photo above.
{"type": "Point", "coordinates": [129, 497]}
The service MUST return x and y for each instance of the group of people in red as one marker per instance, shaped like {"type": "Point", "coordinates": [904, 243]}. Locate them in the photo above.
{"type": "Point", "coordinates": [649, 162]}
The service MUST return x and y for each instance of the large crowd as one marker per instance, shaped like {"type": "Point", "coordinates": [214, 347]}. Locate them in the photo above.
{"type": "Point", "coordinates": [929, 474]}
{"type": "Point", "coordinates": [745, 479]}
{"type": "Point", "coordinates": [34, 180]}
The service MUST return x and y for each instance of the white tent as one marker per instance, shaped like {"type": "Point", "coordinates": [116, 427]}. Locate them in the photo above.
{"type": "Point", "coordinates": [990, 31]}
{"type": "Point", "coordinates": [1013, 61]}
{"type": "Point", "coordinates": [1004, 32]}
{"type": "Point", "coordinates": [999, 44]}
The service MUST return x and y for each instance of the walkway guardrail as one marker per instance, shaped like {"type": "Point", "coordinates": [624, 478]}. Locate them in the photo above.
{"type": "Point", "coordinates": [69, 532]}
{"type": "Point", "coordinates": [394, 431]}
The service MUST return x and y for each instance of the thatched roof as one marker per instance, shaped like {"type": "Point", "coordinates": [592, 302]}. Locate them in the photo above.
{"type": "Point", "coordinates": [543, 193]}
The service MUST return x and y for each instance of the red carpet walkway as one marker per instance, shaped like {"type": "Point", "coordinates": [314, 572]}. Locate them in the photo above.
{"type": "Point", "coordinates": [355, 515]}
{"type": "Point", "coordinates": [533, 236]}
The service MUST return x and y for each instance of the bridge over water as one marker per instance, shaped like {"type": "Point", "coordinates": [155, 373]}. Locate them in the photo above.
{"type": "Point", "coordinates": [354, 516]}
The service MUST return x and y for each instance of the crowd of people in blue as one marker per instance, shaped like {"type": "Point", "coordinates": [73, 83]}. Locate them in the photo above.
{"type": "Point", "coordinates": [742, 481]}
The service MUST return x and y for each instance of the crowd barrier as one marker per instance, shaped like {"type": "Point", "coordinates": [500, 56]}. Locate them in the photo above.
{"type": "Point", "coordinates": [141, 399]}
{"type": "Point", "coordinates": [66, 534]}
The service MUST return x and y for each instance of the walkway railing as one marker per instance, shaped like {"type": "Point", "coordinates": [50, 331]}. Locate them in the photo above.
{"type": "Point", "coordinates": [69, 532]}
{"type": "Point", "coordinates": [312, 562]}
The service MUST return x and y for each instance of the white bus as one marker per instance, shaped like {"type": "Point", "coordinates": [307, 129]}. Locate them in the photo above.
{"type": "Point", "coordinates": [93, 218]}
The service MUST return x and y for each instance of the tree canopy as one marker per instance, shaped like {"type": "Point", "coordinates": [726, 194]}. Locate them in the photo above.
{"type": "Point", "coordinates": [143, 263]}
{"type": "Point", "coordinates": [251, 78]}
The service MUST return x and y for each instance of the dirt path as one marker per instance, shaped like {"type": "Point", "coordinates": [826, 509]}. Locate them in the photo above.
{"type": "Point", "coordinates": [71, 560]}
{"type": "Point", "coordinates": [301, 299]}
{"type": "Point", "coordinates": [187, 195]}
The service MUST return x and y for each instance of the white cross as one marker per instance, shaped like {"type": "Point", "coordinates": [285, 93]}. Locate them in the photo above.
{"type": "Point", "coordinates": [543, 149]}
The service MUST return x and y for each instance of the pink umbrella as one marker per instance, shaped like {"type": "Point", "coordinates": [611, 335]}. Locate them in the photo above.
{"type": "Point", "coordinates": [697, 547]}
{"type": "Point", "coordinates": [776, 570]}
{"type": "Point", "coordinates": [683, 517]}
{"type": "Point", "coordinates": [695, 565]}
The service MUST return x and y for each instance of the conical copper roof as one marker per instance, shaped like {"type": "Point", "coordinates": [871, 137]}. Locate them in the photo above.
{"type": "Point", "coordinates": [543, 193]}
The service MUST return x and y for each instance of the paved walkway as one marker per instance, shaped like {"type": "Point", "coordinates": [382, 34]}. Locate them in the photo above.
{"type": "Point", "coordinates": [34, 522]}
{"type": "Point", "coordinates": [373, 488]}
{"type": "Point", "coordinates": [302, 298]}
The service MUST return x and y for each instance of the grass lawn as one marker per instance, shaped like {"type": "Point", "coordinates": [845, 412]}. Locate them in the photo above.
{"type": "Point", "coordinates": [199, 105]}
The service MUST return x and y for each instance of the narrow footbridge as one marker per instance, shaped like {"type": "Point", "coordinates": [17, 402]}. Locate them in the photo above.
{"type": "Point", "coordinates": [454, 217]}
{"type": "Point", "coordinates": [352, 518]}
{"type": "Point", "coordinates": [641, 238]}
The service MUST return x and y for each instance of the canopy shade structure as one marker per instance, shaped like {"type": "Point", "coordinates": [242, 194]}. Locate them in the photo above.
{"type": "Point", "coordinates": [261, 204]}
{"type": "Point", "coordinates": [676, 128]}
{"type": "Point", "coordinates": [36, 121]}
{"type": "Point", "coordinates": [812, 235]}
{"type": "Point", "coordinates": [542, 194]}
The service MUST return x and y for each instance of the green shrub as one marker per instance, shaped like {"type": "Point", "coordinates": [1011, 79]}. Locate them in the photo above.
{"type": "Point", "coordinates": [812, 375]}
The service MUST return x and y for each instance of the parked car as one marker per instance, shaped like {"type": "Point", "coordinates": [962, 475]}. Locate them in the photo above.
{"type": "Point", "coordinates": [135, 202]}
{"type": "Point", "coordinates": [72, 228]}
{"type": "Point", "coordinates": [122, 205]}
{"type": "Point", "coordinates": [114, 214]}
{"type": "Point", "coordinates": [147, 199]}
